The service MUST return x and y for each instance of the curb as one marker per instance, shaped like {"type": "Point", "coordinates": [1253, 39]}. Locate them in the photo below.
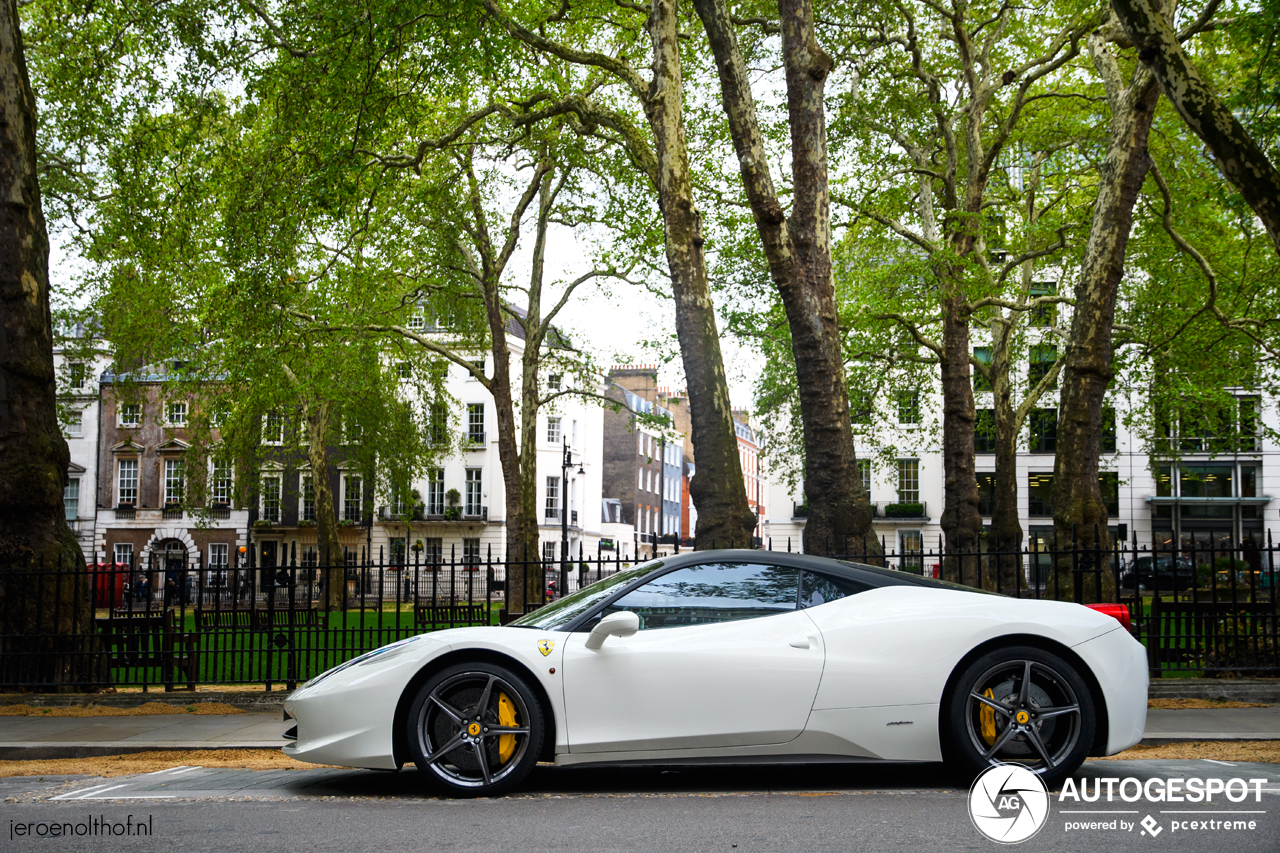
{"type": "Point", "coordinates": [272, 701]}
{"type": "Point", "coordinates": [46, 751]}
{"type": "Point", "coordinates": [1230, 689]}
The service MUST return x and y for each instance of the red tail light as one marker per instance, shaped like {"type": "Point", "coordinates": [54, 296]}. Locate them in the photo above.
{"type": "Point", "coordinates": [1117, 611]}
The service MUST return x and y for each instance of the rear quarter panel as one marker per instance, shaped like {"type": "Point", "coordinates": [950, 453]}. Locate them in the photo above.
{"type": "Point", "coordinates": [898, 645]}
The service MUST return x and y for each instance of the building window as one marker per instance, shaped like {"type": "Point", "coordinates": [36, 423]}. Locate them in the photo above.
{"type": "Point", "coordinates": [1108, 438]}
{"type": "Point", "coordinates": [908, 407]}
{"type": "Point", "coordinates": [860, 408]}
{"type": "Point", "coordinates": [432, 551]}
{"type": "Point", "coordinates": [986, 494]}
{"type": "Point", "coordinates": [474, 495]}
{"type": "Point", "coordinates": [909, 480]}
{"type": "Point", "coordinates": [398, 549]}
{"type": "Point", "coordinates": [76, 374]}
{"type": "Point", "coordinates": [308, 498]}
{"type": "Point", "coordinates": [435, 492]}
{"type": "Point", "coordinates": [553, 499]}
{"type": "Point", "coordinates": [475, 423]}
{"type": "Point", "coordinates": [123, 552]}
{"type": "Point", "coordinates": [131, 415]}
{"type": "Point", "coordinates": [1044, 431]}
{"type": "Point", "coordinates": [864, 474]}
{"type": "Point", "coordinates": [219, 553]}
{"type": "Point", "coordinates": [71, 499]}
{"type": "Point", "coordinates": [478, 364]}
{"type": "Point", "coordinates": [1042, 358]}
{"type": "Point", "coordinates": [271, 498]}
{"type": "Point", "coordinates": [175, 414]}
{"type": "Point", "coordinates": [553, 382]}
{"type": "Point", "coordinates": [416, 321]}
{"type": "Point", "coordinates": [404, 370]}
{"type": "Point", "coordinates": [438, 424]}
{"type": "Point", "coordinates": [553, 430]}
{"type": "Point", "coordinates": [911, 549]}
{"type": "Point", "coordinates": [1040, 495]}
{"type": "Point", "coordinates": [980, 382]}
{"type": "Point", "coordinates": [984, 431]}
{"type": "Point", "coordinates": [220, 484]}
{"type": "Point", "coordinates": [1109, 484]}
{"type": "Point", "coordinates": [471, 552]}
{"type": "Point", "coordinates": [1043, 316]}
{"type": "Point", "coordinates": [174, 471]}
{"type": "Point", "coordinates": [548, 554]}
{"type": "Point", "coordinates": [127, 482]}
{"type": "Point", "coordinates": [74, 426]}
{"type": "Point", "coordinates": [273, 428]}
{"type": "Point", "coordinates": [352, 497]}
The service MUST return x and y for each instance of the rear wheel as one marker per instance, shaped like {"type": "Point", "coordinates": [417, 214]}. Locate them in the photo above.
{"type": "Point", "coordinates": [475, 729]}
{"type": "Point", "coordinates": [1020, 705]}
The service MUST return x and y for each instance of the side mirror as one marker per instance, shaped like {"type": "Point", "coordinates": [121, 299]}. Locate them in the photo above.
{"type": "Point", "coordinates": [620, 624]}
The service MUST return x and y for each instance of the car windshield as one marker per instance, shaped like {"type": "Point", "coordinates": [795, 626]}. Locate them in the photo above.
{"type": "Point", "coordinates": [559, 613]}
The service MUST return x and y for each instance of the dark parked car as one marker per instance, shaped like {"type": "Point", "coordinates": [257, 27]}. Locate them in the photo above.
{"type": "Point", "coordinates": [1166, 574]}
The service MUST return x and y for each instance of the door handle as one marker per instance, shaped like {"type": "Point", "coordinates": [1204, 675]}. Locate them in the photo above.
{"type": "Point", "coordinates": [800, 643]}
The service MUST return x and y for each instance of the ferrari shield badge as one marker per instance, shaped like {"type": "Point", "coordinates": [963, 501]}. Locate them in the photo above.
{"type": "Point", "coordinates": [545, 646]}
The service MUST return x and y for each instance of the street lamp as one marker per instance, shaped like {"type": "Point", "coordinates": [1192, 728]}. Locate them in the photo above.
{"type": "Point", "coordinates": [565, 465]}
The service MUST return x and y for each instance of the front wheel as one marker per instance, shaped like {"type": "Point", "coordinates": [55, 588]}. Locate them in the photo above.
{"type": "Point", "coordinates": [1020, 705]}
{"type": "Point", "coordinates": [475, 729]}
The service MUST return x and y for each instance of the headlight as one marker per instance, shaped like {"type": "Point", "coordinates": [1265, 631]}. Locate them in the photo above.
{"type": "Point", "coordinates": [382, 654]}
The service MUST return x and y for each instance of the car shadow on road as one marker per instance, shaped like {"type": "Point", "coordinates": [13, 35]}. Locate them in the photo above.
{"type": "Point", "coordinates": [548, 780]}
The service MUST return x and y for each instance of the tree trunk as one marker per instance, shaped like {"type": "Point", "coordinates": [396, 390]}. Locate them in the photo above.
{"type": "Point", "coordinates": [961, 521]}
{"type": "Point", "coordinates": [717, 489]}
{"type": "Point", "coordinates": [1239, 158]}
{"type": "Point", "coordinates": [798, 250]}
{"type": "Point", "coordinates": [46, 616]}
{"type": "Point", "coordinates": [329, 552]}
{"type": "Point", "coordinates": [1079, 514]}
{"type": "Point", "coordinates": [1006, 521]}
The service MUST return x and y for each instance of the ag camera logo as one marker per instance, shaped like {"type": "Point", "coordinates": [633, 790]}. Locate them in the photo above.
{"type": "Point", "coordinates": [1008, 803]}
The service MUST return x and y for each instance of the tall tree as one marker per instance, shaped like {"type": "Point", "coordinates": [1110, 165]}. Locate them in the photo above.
{"type": "Point", "coordinates": [45, 614]}
{"type": "Point", "coordinates": [1237, 155]}
{"type": "Point", "coordinates": [717, 488]}
{"type": "Point", "coordinates": [972, 76]}
{"type": "Point", "coordinates": [1079, 512]}
{"type": "Point", "coordinates": [797, 248]}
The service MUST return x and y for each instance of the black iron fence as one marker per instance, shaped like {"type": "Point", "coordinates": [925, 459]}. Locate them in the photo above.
{"type": "Point", "coordinates": [1207, 610]}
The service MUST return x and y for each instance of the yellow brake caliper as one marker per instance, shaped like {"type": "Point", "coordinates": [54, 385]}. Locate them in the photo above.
{"type": "Point", "coordinates": [507, 717]}
{"type": "Point", "coordinates": [988, 717]}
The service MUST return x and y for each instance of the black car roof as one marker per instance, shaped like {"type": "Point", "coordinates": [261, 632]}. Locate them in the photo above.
{"type": "Point", "coordinates": [873, 576]}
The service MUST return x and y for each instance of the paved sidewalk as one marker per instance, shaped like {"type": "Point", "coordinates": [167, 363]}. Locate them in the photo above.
{"type": "Point", "coordinates": [1214, 724]}
{"type": "Point", "coordinates": [77, 737]}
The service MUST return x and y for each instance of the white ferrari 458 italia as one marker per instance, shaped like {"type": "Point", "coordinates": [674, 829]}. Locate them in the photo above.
{"type": "Point", "coordinates": [738, 656]}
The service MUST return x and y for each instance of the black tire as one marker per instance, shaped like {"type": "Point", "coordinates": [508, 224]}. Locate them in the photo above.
{"type": "Point", "coordinates": [459, 747]}
{"type": "Point", "coordinates": [991, 718]}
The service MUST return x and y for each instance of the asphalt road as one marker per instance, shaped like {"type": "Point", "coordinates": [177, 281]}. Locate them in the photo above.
{"type": "Point", "coordinates": [732, 809]}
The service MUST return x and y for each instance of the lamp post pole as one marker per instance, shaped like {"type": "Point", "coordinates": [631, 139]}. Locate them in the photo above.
{"type": "Point", "coordinates": [565, 465]}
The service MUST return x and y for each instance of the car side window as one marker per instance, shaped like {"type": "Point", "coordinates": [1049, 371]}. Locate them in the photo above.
{"type": "Point", "coordinates": [818, 589]}
{"type": "Point", "coordinates": [712, 592]}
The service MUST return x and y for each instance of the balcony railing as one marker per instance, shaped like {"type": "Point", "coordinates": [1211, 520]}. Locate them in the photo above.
{"type": "Point", "coordinates": [475, 514]}
{"type": "Point", "coordinates": [553, 515]}
{"type": "Point", "coordinates": [172, 511]}
{"type": "Point", "coordinates": [126, 511]}
{"type": "Point", "coordinates": [222, 512]}
{"type": "Point", "coordinates": [475, 439]}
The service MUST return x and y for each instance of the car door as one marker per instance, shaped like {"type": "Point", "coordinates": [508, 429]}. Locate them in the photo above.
{"type": "Point", "coordinates": [723, 658]}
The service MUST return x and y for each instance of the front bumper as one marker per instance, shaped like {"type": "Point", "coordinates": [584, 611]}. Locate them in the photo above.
{"type": "Point", "coordinates": [347, 718]}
